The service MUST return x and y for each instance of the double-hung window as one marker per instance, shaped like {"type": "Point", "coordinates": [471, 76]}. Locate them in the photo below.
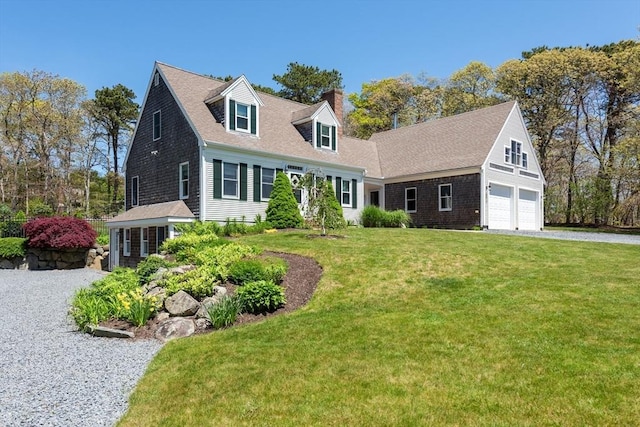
{"type": "Point", "coordinates": [516, 152]}
{"type": "Point", "coordinates": [525, 161]}
{"type": "Point", "coordinates": [325, 136]}
{"type": "Point", "coordinates": [134, 190]}
{"type": "Point", "coordinates": [230, 180]}
{"type": "Point", "coordinates": [268, 176]}
{"type": "Point", "coordinates": [410, 199]}
{"type": "Point", "coordinates": [242, 117]}
{"type": "Point", "coordinates": [445, 197]}
{"type": "Point", "coordinates": [127, 242]}
{"type": "Point", "coordinates": [346, 192]}
{"type": "Point", "coordinates": [184, 180]}
{"type": "Point", "coordinates": [144, 241]}
{"type": "Point", "coordinates": [157, 125]}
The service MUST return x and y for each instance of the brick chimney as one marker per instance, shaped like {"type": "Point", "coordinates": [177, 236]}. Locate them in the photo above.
{"type": "Point", "coordinates": [334, 98]}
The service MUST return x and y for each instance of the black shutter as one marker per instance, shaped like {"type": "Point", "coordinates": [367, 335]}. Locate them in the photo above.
{"type": "Point", "coordinates": [253, 120]}
{"type": "Point", "coordinates": [257, 183]}
{"type": "Point", "coordinates": [333, 138]}
{"type": "Point", "coordinates": [318, 134]}
{"type": "Point", "coordinates": [339, 189]}
{"type": "Point", "coordinates": [217, 179]}
{"type": "Point", "coordinates": [232, 114]}
{"type": "Point", "coordinates": [243, 181]}
{"type": "Point", "coordinates": [278, 170]}
{"type": "Point", "coordinates": [354, 193]}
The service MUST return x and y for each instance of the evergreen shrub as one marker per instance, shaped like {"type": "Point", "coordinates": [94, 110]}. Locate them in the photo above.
{"type": "Point", "coordinates": [283, 210]}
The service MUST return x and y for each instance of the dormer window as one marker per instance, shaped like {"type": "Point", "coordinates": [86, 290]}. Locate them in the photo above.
{"type": "Point", "coordinates": [325, 136]}
{"type": "Point", "coordinates": [243, 117]}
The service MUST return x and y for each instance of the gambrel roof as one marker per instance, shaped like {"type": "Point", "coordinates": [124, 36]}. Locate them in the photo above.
{"type": "Point", "coordinates": [450, 143]}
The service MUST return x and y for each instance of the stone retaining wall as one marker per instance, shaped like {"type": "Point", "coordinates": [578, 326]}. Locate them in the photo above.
{"type": "Point", "coordinates": [59, 259]}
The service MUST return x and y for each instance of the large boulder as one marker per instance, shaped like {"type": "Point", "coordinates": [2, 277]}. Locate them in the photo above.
{"type": "Point", "coordinates": [218, 293]}
{"type": "Point", "coordinates": [181, 304]}
{"type": "Point", "coordinates": [175, 327]}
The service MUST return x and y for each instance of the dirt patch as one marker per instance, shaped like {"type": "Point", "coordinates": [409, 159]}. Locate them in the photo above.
{"type": "Point", "coordinates": [300, 282]}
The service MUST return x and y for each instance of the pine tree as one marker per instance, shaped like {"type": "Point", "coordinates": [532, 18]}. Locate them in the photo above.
{"type": "Point", "coordinates": [283, 211]}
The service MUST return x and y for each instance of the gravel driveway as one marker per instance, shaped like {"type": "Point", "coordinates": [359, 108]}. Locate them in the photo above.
{"type": "Point", "coordinates": [51, 375]}
{"type": "Point", "coordinates": [584, 236]}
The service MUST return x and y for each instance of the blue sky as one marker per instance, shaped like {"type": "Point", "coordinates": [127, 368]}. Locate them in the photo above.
{"type": "Point", "coordinates": [101, 43]}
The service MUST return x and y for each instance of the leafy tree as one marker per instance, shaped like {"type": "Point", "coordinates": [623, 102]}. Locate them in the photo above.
{"type": "Point", "coordinates": [322, 207]}
{"type": "Point", "coordinates": [306, 84]}
{"type": "Point", "coordinates": [113, 109]}
{"type": "Point", "coordinates": [40, 123]}
{"type": "Point", "coordinates": [379, 103]}
{"type": "Point", "coordinates": [283, 211]}
{"type": "Point", "coordinates": [469, 89]}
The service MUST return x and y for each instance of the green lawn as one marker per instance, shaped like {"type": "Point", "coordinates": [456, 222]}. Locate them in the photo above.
{"type": "Point", "coordinates": [413, 327]}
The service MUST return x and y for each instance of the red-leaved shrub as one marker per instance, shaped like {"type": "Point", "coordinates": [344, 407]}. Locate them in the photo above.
{"type": "Point", "coordinates": [59, 233]}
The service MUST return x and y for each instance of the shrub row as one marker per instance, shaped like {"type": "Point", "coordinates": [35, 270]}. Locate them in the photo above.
{"type": "Point", "coordinates": [373, 216]}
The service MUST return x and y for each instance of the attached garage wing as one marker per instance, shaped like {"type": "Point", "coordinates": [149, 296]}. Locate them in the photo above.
{"type": "Point", "coordinates": [500, 208]}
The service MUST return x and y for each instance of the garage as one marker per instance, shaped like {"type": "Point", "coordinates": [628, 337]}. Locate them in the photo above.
{"type": "Point", "coordinates": [500, 208]}
{"type": "Point", "coordinates": [527, 210]}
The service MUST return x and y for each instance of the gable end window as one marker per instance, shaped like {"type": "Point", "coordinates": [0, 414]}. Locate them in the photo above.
{"type": "Point", "coordinates": [445, 197]}
{"type": "Point", "coordinates": [184, 180]}
{"type": "Point", "coordinates": [325, 136]}
{"type": "Point", "coordinates": [410, 199]}
{"type": "Point", "coordinates": [156, 79]}
{"type": "Point", "coordinates": [134, 191]}
{"type": "Point", "coordinates": [157, 125]}
{"type": "Point", "coordinates": [514, 155]}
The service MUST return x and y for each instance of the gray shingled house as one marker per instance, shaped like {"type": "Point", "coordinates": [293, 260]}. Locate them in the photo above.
{"type": "Point", "coordinates": [209, 150]}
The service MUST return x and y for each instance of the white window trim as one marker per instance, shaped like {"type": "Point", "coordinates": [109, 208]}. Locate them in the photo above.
{"type": "Point", "coordinates": [156, 79]}
{"type": "Point", "coordinates": [342, 193]}
{"type": "Point", "coordinates": [440, 197]}
{"type": "Point", "coordinates": [525, 160]}
{"type": "Point", "coordinates": [237, 196]}
{"type": "Point", "coordinates": [142, 251]}
{"type": "Point", "coordinates": [248, 117]}
{"type": "Point", "coordinates": [406, 199]}
{"type": "Point", "coordinates": [153, 130]}
{"type": "Point", "coordinates": [262, 182]}
{"type": "Point", "coordinates": [328, 136]}
{"type": "Point", "coordinates": [181, 181]}
{"type": "Point", "coordinates": [137, 187]}
{"type": "Point", "coordinates": [126, 250]}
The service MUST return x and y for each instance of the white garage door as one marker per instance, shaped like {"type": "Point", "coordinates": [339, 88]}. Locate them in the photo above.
{"type": "Point", "coordinates": [527, 210]}
{"type": "Point", "coordinates": [500, 207]}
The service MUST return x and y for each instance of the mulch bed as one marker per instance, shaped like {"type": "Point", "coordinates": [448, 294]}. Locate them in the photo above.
{"type": "Point", "coordinates": [299, 283]}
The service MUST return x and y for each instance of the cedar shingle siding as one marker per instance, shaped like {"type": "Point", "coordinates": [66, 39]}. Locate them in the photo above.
{"type": "Point", "coordinates": [178, 144]}
{"type": "Point", "coordinates": [466, 201]}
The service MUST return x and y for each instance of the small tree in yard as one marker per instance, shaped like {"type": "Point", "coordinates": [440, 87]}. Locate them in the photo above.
{"type": "Point", "coordinates": [323, 209]}
{"type": "Point", "coordinates": [283, 211]}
